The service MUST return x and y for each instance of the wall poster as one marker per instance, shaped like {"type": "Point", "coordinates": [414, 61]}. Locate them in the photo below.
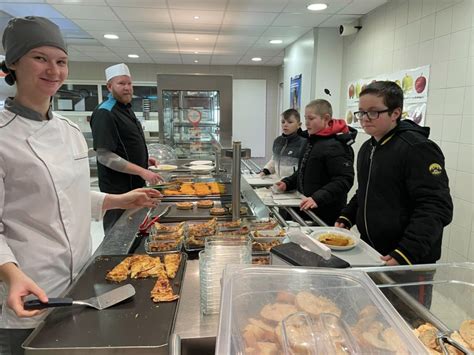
{"type": "Point", "coordinates": [295, 92]}
{"type": "Point", "coordinates": [414, 83]}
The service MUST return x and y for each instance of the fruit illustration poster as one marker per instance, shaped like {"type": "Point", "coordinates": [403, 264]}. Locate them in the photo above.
{"type": "Point", "coordinates": [295, 92]}
{"type": "Point", "coordinates": [414, 83]}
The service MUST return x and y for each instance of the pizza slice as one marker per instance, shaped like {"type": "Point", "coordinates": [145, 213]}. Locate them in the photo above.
{"type": "Point", "coordinates": [120, 272]}
{"type": "Point", "coordinates": [172, 264]}
{"type": "Point", "coordinates": [157, 270]}
{"type": "Point", "coordinates": [162, 291]}
{"type": "Point", "coordinates": [140, 264]}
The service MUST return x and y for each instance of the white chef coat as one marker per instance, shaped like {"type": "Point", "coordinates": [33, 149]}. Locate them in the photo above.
{"type": "Point", "coordinates": [45, 202]}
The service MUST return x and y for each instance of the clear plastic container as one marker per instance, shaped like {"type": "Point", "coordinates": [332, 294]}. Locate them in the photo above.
{"type": "Point", "coordinates": [163, 246]}
{"type": "Point", "coordinates": [308, 311]}
{"type": "Point", "coordinates": [263, 224]}
{"type": "Point", "coordinates": [263, 245]}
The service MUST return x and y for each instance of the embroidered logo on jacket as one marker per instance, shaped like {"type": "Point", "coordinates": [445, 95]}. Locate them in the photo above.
{"type": "Point", "coordinates": [435, 169]}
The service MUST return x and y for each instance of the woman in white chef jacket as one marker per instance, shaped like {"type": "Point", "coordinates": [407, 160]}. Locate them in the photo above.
{"type": "Point", "coordinates": [45, 202]}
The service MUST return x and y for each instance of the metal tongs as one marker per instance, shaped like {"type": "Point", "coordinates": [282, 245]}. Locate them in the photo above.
{"type": "Point", "coordinates": [445, 337]}
{"type": "Point", "coordinates": [148, 221]}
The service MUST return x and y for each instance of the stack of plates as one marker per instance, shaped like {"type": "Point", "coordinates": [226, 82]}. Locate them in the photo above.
{"type": "Point", "coordinates": [201, 166]}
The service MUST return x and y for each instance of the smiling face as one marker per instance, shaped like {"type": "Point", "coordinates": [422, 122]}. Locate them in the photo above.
{"type": "Point", "coordinates": [121, 88]}
{"type": "Point", "coordinates": [41, 72]}
{"type": "Point", "coordinates": [386, 121]}
{"type": "Point", "coordinates": [290, 125]}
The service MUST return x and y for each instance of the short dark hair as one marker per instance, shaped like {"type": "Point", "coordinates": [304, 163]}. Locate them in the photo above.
{"type": "Point", "coordinates": [321, 107]}
{"type": "Point", "coordinates": [390, 91]}
{"type": "Point", "coordinates": [291, 112]}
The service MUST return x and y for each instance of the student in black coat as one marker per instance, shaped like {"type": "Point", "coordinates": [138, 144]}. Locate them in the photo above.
{"type": "Point", "coordinates": [325, 171]}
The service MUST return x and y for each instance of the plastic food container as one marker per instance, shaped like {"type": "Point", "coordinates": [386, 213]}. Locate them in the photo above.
{"type": "Point", "coordinates": [271, 233]}
{"type": "Point", "coordinates": [163, 246]}
{"type": "Point", "coordinates": [263, 224]}
{"type": "Point", "coordinates": [263, 245]}
{"type": "Point", "coordinates": [275, 310]}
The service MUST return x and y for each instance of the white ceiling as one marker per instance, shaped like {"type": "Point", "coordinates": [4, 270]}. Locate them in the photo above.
{"type": "Point", "coordinates": [228, 32]}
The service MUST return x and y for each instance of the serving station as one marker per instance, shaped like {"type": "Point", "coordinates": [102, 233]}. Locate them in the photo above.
{"type": "Point", "coordinates": [210, 217]}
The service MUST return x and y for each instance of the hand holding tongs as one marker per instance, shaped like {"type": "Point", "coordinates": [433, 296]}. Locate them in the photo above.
{"type": "Point", "coordinates": [443, 338]}
{"type": "Point", "coordinates": [148, 221]}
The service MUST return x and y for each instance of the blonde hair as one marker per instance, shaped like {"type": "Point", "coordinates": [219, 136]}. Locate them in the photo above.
{"type": "Point", "coordinates": [321, 107]}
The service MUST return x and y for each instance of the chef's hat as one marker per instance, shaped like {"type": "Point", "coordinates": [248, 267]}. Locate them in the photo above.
{"type": "Point", "coordinates": [116, 70]}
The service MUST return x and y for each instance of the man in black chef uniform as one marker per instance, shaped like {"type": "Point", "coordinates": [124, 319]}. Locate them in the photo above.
{"type": "Point", "coordinates": [122, 155]}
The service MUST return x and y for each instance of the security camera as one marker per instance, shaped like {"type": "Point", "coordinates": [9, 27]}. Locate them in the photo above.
{"type": "Point", "coordinates": [349, 29]}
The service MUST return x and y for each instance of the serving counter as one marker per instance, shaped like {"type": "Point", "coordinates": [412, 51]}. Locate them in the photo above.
{"type": "Point", "coordinates": [187, 331]}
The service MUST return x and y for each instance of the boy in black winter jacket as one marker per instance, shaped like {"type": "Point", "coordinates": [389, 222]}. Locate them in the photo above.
{"type": "Point", "coordinates": [402, 202]}
{"type": "Point", "coordinates": [325, 171]}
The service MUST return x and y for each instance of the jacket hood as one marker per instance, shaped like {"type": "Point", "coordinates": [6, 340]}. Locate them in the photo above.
{"type": "Point", "coordinates": [302, 133]}
{"type": "Point", "coordinates": [409, 125]}
{"type": "Point", "coordinates": [335, 126]}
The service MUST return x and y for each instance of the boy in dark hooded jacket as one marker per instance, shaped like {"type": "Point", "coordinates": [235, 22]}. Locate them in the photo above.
{"type": "Point", "coordinates": [325, 171]}
{"type": "Point", "coordinates": [402, 202]}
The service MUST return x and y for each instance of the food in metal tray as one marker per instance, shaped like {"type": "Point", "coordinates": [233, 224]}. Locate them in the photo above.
{"type": "Point", "coordinates": [234, 231]}
{"type": "Point", "coordinates": [167, 228]}
{"type": "Point", "coordinates": [205, 204]}
{"type": "Point", "coordinates": [184, 205]}
{"type": "Point", "coordinates": [427, 333]}
{"type": "Point", "coordinates": [231, 224]}
{"type": "Point", "coordinates": [264, 224]}
{"type": "Point", "coordinates": [335, 239]}
{"type": "Point", "coordinates": [243, 210]}
{"type": "Point", "coordinates": [259, 234]}
{"type": "Point", "coordinates": [217, 211]}
{"type": "Point", "coordinates": [163, 245]}
{"type": "Point", "coordinates": [202, 229]}
{"type": "Point", "coordinates": [167, 236]}
{"type": "Point", "coordinates": [196, 189]}
{"type": "Point", "coordinates": [195, 242]}
{"type": "Point", "coordinates": [265, 246]}
{"type": "Point", "coordinates": [145, 266]}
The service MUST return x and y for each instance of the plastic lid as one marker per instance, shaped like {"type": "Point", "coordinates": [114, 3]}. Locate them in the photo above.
{"type": "Point", "coordinates": [276, 310]}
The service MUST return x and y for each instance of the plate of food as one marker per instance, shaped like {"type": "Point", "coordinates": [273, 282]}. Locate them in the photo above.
{"type": "Point", "coordinates": [163, 167]}
{"type": "Point", "coordinates": [336, 238]}
{"type": "Point", "coordinates": [201, 162]}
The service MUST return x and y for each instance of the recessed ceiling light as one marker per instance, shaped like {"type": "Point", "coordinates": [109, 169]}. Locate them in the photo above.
{"type": "Point", "coordinates": [196, 39]}
{"type": "Point", "coordinates": [133, 56]}
{"type": "Point", "coordinates": [196, 61]}
{"type": "Point", "coordinates": [257, 59]}
{"type": "Point", "coordinates": [196, 52]}
{"type": "Point", "coordinates": [317, 7]}
{"type": "Point", "coordinates": [196, 17]}
{"type": "Point", "coordinates": [276, 41]}
{"type": "Point", "coordinates": [111, 36]}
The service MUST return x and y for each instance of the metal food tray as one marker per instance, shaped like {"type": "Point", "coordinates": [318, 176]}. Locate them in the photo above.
{"type": "Point", "coordinates": [227, 192]}
{"type": "Point", "coordinates": [135, 326]}
{"type": "Point", "coordinates": [196, 213]}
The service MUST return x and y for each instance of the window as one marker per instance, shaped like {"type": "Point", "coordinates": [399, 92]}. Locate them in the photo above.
{"type": "Point", "coordinates": [76, 97]}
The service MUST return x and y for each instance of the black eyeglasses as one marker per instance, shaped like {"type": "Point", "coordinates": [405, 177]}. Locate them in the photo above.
{"type": "Point", "coordinates": [371, 115]}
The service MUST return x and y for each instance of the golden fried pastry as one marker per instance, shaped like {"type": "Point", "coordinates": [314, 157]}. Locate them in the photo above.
{"type": "Point", "coordinates": [277, 311]}
{"type": "Point", "coordinates": [427, 334]}
{"type": "Point", "coordinates": [335, 239]}
{"type": "Point", "coordinates": [316, 305]}
{"type": "Point", "coordinates": [172, 262]}
{"type": "Point", "coordinates": [217, 211]}
{"type": "Point", "coordinates": [205, 204]}
{"type": "Point", "coordinates": [184, 205]}
{"type": "Point", "coordinates": [168, 228]}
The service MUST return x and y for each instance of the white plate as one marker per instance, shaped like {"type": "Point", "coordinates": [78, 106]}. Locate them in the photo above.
{"type": "Point", "coordinates": [201, 162]}
{"type": "Point", "coordinates": [323, 230]}
{"type": "Point", "coordinates": [163, 167]}
{"type": "Point", "coordinates": [201, 168]}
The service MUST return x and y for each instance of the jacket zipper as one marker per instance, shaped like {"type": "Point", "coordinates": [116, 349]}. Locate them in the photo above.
{"type": "Point", "coordinates": [366, 194]}
{"type": "Point", "coordinates": [281, 153]}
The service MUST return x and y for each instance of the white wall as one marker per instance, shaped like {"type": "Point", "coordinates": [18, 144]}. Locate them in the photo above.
{"type": "Point", "coordinates": [248, 126]}
{"type": "Point", "coordinates": [407, 34]}
{"type": "Point", "coordinates": [299, 60]}
{"type": "Point", "coordinates": [327, 66]}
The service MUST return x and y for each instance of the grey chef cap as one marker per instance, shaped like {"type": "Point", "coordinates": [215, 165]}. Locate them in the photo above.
{"type": "Point", "coordinates": [22, 34]}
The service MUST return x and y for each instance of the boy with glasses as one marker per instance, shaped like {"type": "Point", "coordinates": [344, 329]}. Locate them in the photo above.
{"type": "Point", "coordinates": [402, 202]}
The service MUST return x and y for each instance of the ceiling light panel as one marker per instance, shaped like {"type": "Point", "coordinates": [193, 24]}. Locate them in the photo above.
{"type": "Point", "coordinates": [217, 5]}
{"type": "Point", "coordinates": [303, 19]}
{"type": "Point", "coordinates": [317, 7]}
{"type": "Point", "coordinates": [300, 5]}
{"type": "Point", "coordinates": [249, 18]}
{"type": "Point", "coordinates": [205, 17]}
{"type": "Point", "coordinates": [142, 14]}
{"type": "Point", "coordinates": [125, 36]}
{"type": "Point", "coordinates": [101, 25]}
{"type": "Point", "coordinates": [77, 12]}
{"type": "Point", "coordinates": [256, 5]}
{"type": "Point", "coordinates": [190, 58]}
